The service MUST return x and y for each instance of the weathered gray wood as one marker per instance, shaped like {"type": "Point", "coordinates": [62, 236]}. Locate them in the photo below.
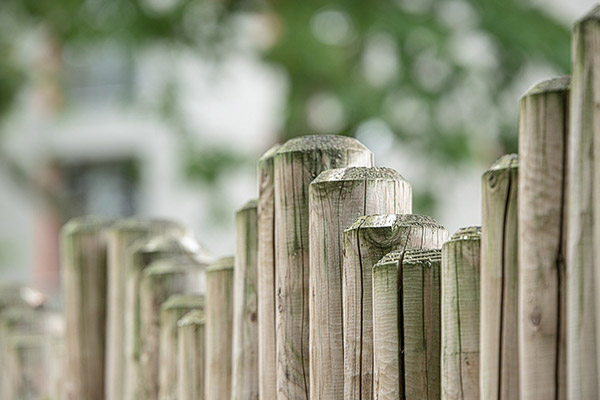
{"type": "Point", "coordinates": [460, 315]}
{"type": "Point", "coordinates": [365, 243]}
{"type": "Point", "coordinates": [583, 224]}
{"type": "Point", "coordinates": [219, 328]}
{"type": "Point", "coordinates": [543, 135]}
{"type": "Point", "coordinates": [296, 164]}
{"type": "Point", "coordinates": [160, 280]}
{"type": "Point", "coordinates": [406, 325]}
{"type": "Point", "coordinates": [192, 356]}
{"type": "Point", "coordinates": [267, 364]}
{"type": "Point", "coordinates": [244, 375]}
{"type": "Point", "coordinates": [337, 197]}
{"type": "Point", "coordinates": [499, 357]}
{"type": "Point", "coordinates": [171, 312]}
{"type": "Point", "coordinates": [120, 236]}
{"type": "Point", "coordinates": [84, 274]}
{"type": "Point", "coordinates": [143, 253]}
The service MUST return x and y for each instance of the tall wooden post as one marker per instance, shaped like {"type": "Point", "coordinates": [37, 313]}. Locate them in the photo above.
{"type": "Point", "coordinates": [460, 315]}
{"type": "Point", "coordinates": [171, 312]}
{"type": "Point", "coordinates": [244, 375]}
{"type": "Point", "coordinates": [267, 363]}
{"type": "Point", "coordinates": [365, 243]}
{"type": "Point", "coordinates": [84, 274]}
{"type": "Point", "coordinates": [337, 197]}
{"type": "Point", "coordinates": [219, 328]}
{"type": "Point", "coordinates": [122, 235]}
{"type": "Point", "coordinates": [499, 368]}
{"type": "Point", "coordinates": [406, 325]}
{"type": "Point", "coordinates": [543, 135]}
{"type": "Point", "coordinates": [160, 280]}
{"type": "Point", "coordinates": [296, 164]}
{"type": "Point", "coordinates": [583, 216]}
{"type": "Point", "coordinates": [192, 356]}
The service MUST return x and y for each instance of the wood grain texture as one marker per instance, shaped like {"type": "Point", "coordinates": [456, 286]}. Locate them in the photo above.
{"type": "Point", "coordinates": [267, 347]}
{"type": "Point", "coordinates": [499, 357]}
{"type": "Point", "coordinates": [583, 224]}
{"type": "Point", "coordinates": [192, 356]}
{"type": "Point", "coordinates": [219, 328]}
{"type": "Point", "coordinates": [121, 235]}
{"type": "Point", "coordinates": [543, 139]}
{"type": "Point", "coordinates": [244, 375]}
{"type": "Point", "coordinates": [171, 311]}
{"type": "Point", "coordinates": [160, 280]}
{"type": "Point", "coordinates": [406, 325]}
{"type": "Point", "coordinates": [337, 197]}
{"type": "Point", "coordinates": [84, 274]}
{"type": "Point", "coordinates": [460, 284]}
{"type": "Point", "coordinates": [296, 164]}
{"type": "Point", "coordinates": [365, 243]}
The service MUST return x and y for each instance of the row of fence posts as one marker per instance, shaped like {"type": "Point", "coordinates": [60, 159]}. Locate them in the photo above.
{"type": "Point", "coordinates": [336, 289]}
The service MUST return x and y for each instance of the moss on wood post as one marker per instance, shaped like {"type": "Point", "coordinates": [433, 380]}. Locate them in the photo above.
{"type": "Point", "coordinates": [296, 164]}
{"type": "Point", "coordinates": [219, 328]}
{"type": "Point", "coordinates": [406, 325]}
{"type": "Point", "coordinates": [267, 363]}
{"type": "Point", "coordinates": [244, 382]}
{"type": "Point", "coordinates": [337, 197]}
{"type": "Point", "coordinates": [460, 315]}
{"type": "Point", "coordinates": [84, 274]}
{"type": "Point", "coordinates": [121, 235]}
{"type": "Point", "coordinates": [543, 138]}
{"type": "Point", "coordinates": [365, 243]}
{"type": "Point", "coordinates": [160, 280]}
{"type": "Point", "coordinates": [191, 356]}
{"type": "Point", "coordinates": [499, 358]}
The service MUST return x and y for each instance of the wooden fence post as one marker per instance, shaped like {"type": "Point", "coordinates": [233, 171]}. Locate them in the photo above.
{"type": "Point", "coordinates": [406, 325]}
{"type": "Point", "coordinates": [121, 235]}
{"type": "Point", "coordinates": [160, 280]}
{"type": "Point", "coordinates": [543, 135]}
{"type": "Point", "coordinates": [499, 357]}
{"type": "Point", "coordinates": [583, 203]}
{"type": "Point", "coordinates": [267, 363]}
{"type": "Point", "coordinates": [244, 368]}
{"type": "Point", "coordinates": [296, 164]}
{"type": "Point", "coordinates": [337, 197]}
{"type": "Point", "coordinates": [460, 315]}
{"type": "Point", "coordinates": [365, 243]}
{"type": "Point", "coordinates": [84, 274]}
{"type": "Point", "coordinates": [192, 356]}
{"type": "Point", "coordinates": [171, 312]}
{"type": "Point", "coordinates": [219, 328]}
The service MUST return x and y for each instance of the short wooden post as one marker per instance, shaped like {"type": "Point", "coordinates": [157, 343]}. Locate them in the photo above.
{"type": "Point", "coordinates": [460, 315]}
{"type": "Point", "coordinates": [296, 164]}
{"type": "Point", "coordinates": [267, 364]}
{"type": "Point", "coordinates": [337, 197]}
{"type": "Point", "coordinates": [120, 236]}
{"type": "Point", "coordinates": [244, 376]}
{"type": "Point", "coordinates": [583, 215]}
{"type": "Point", "coordinates": [171, 312]}
{"type": "Point", "coordinates": [543, 135]}
{"type": "Point", "coordinates": [219, 328]}
{"type": "Point", "coordinates": [499, 368]}
{"type": "Point", "coordinates": [84, 274]}
{"type": "Point", "coordinates": [365, 243]}
{"type": "Point", "coordinates": [406, 325]}
{"type": "Point", "coordinates": [160, 280]}
{"type": "Point", "coordinates": [143, 253]}
{"type": "Point", "coordinates": [192, 356]}
{"type": "Point", "coordinates": [17, 295]}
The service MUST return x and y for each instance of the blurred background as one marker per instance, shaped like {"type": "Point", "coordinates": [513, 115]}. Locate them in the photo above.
{"type": "Point", "coordinates": [162, 107]}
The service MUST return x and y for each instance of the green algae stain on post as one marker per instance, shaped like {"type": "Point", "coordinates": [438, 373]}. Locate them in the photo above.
{"type": "Point", "coordinates": [296, 164]}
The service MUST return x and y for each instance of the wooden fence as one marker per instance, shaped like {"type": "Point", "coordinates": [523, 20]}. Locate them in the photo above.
{"type": "Point", "coordinates": [336, 290]}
